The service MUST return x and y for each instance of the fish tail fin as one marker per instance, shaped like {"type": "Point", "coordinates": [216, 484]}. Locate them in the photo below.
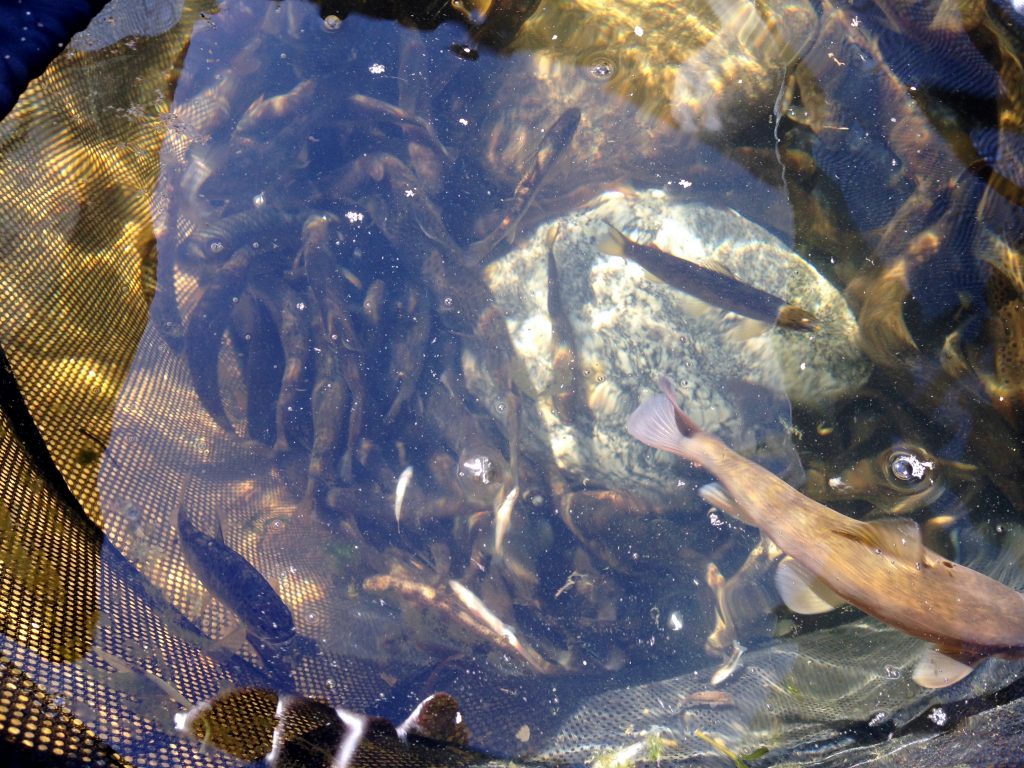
{"type": "Point", "coordinates": [684, 423]}
{"type": "Point", "coordinates": [797, 319]}
{"type": "Point", "coordinates": [660, 423]}
{"type": "Point", "coordinates": [614, 243]}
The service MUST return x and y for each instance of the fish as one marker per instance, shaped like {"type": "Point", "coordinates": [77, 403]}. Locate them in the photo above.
{"type": "Point", "coordinates": [501, 633]}
{"type": "Point", "coordinates": [279, 729]}
{"type": "Point", "coordinates": [205, 329]}
{"type": "Point", "coordinates": [899, 480]}
{"type": "Point", "coordinates": [236, 584]}
{"type": "Point", "coordinates": [565, 374]}
{"type": "Point", "coordinates": [710, 286]}
{"type": "Point", "coordinates": [881, 567]}
{"type": "Point", "coordinates": [556, 141]}
{"type": "Point", "coordinates": [400, 488]}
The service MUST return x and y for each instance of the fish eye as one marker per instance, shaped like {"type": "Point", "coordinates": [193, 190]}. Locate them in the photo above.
{"type": "Point", "coordinates": [907, 467]}
{"type": "Point", "coordinates": [600, 67]}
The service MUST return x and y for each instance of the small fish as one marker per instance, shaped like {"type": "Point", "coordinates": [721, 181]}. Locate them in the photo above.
{"type": "Point", "coordinates": [416, 128]}
{"type": "Point", "coordinates": [881, 567]}
{"type": "Point", "coordinates": [205, 329]}
{"type": "Point", "coordinates": [565, 375]}
{"type": "Point", "coordinates": [712, 287]}
{"type": "Point", "coordinates": [556, 141]}
{"type": "Point", "coordinates": [400, 488]}
{"type": "Point", "coordinates": [503, 519]}
{"type": "Point", "coordinates": [236, 583]}
{"type": "Point", "coordinates": [276, 107]}
{"type": "Point", "coordinates": [502, 633]}
{"type": "Point", "coordinates": [729, 666]}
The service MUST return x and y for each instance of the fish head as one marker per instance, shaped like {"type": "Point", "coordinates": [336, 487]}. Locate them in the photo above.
{"type": "Point", "coordinates": [899, 479]}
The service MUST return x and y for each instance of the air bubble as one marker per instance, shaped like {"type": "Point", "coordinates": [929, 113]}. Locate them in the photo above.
{"type": "Point", "coordinates": [938, 716]}
{"type": "Point", "coordinates": [892, 672]}
{"type": "Point", "coordinates": [216, 247]}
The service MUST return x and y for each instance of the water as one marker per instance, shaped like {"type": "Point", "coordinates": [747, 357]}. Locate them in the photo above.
{"type": "Point", "coordinates": [320, 183]}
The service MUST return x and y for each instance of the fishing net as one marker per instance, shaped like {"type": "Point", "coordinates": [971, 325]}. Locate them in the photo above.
{"type": "Point", "coordinates": [106, 638]}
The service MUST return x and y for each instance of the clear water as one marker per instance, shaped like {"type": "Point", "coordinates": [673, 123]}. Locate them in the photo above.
{"type": "Point", "coordinates": [883, 150]}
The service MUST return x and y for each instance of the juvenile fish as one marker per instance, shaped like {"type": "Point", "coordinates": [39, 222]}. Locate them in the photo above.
{"type": "Point", "coordinates": [234, 581]}
{"type": "Point", "coordinates": [556, 141]}
{"type": "Point", "coordinates": [881, 567]}
{"type": "Point", "coordinates": [708, 285]}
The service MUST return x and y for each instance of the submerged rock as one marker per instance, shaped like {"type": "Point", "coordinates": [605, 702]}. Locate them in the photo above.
{"type": "Point", "coordinates": [628, 329]}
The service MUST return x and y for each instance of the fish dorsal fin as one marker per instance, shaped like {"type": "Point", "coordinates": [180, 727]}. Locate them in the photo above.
{"type": "Point", "coordinates": [938, 669]}
{"type": "Point", "coordinates": [715, 265]}
{"type": "Point", "coordinates": [897, 537]}
{"type": "Point", "coordinates": [715, 495]}
{"type": "Point", "coordinates": [901, 537]}
{"type": "Point", "coordinates": [802, 591]}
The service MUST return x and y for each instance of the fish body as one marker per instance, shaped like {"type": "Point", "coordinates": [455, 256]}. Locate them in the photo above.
{"type": "Point", "coordinates": [710, 286]}
{"type": "Point", "coordinates": [881, 567]}
{"type": "Point", "coordinates": [264, 726]}
{"type": "Point", "coordinates": [236, 583]}
{"type": "Point", "coordinates": [556, 141]}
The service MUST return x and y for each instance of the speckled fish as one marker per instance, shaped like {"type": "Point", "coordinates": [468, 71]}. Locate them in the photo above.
{"type": "Point", "coordinates": [710, 286]}
{"type": "Point", "coordinates": [881, 567]}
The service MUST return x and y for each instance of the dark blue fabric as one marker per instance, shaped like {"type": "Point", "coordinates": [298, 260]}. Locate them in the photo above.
{"type": "Point", "coordinates": [32, 33]}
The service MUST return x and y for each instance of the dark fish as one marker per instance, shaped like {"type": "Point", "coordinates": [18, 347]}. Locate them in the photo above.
{"type": "Point", "coordinates": [556, 140]}
{"type": "Point", "coordinates": [881, 567]}
{"type": "Point", "coordinates": [205, 330]}
{"type": "Point", "coordinates": [296, 336]}
{"type": "Point", "coordinates": [224, 236]}
{"type": "Point", "coordinates": [708, 285]}
{"type": "Point", "coordinates": [236, 583]}
{"type": "Point", "coordinates": [262, 366]}
{"type": "Point", "coordinates": [255, 724]}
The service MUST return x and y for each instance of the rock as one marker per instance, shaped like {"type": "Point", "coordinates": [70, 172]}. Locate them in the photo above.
{"type": "Point", "coordinates": [630, 328]}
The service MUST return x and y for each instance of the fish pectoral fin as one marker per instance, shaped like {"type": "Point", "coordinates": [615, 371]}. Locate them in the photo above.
{"type": "Point", "coordinates": [715, 495]}
{"type": "Point", "coordinates": [234, 638]}
{"type": "Point", "coordinates": [938, 669]}
{"type": "Point", "coordinates": [613, 242]}
{"type": "Point", "coordinates": [802, 591]}
{"type": "Point", "coordinates": [719, 266]}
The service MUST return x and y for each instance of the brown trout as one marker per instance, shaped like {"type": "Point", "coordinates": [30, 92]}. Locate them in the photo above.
{"type": "Point", "coordinates": [716, 288]}
{"type": "Point", "coordinates": [881, 567]}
